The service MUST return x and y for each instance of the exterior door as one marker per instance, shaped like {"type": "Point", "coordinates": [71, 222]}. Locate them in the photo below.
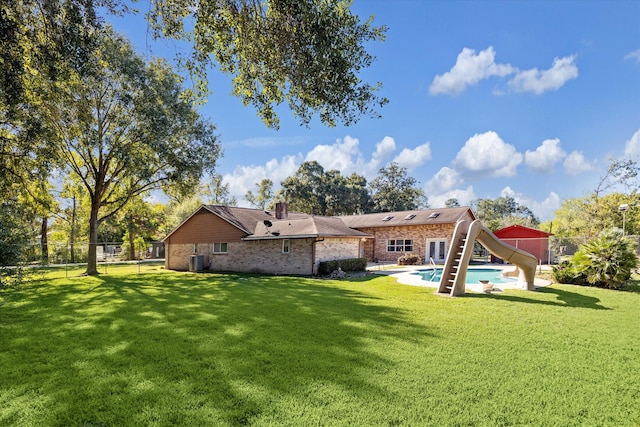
{"type": "Point", "coordinates": [436, 249]}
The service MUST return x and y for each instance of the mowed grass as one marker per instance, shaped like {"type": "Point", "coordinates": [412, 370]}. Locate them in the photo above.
{"type": "Point", "coordinates": [165, 348]}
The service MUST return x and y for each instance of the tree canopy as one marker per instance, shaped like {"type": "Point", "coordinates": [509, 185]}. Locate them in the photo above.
{"type": "Point", "coordinates": [502, 212]}
{"type": "Point", "coordinates": [599, 209]}
{"type": "Point", "coordinates": [123, 129]}
{"type": "Point", "coordinates": [305, 53]}
{"type": "Point", "coordinates": [394, 190]}
{"type": "Point", "coordinates": [313, 190]}
{"type": "Point", "coordinates": [263, 196]}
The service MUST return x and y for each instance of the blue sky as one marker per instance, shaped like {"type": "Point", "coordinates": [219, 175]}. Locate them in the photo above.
{"type": "Point", "coordinates": [487, 99]}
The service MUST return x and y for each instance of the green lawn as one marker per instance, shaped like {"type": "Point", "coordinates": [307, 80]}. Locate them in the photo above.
{"type": "Point", "coordinates": [164, 348]}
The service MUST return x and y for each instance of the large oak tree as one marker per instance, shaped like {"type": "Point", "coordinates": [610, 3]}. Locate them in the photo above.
{"type": "Point", "coordinates": [124, 129]}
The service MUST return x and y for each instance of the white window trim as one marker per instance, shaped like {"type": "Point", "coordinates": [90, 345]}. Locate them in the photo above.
{"type": "Point", "coordinates": [403, 247]}
{"type": "Point", "coordinates": [286, 244]}
{"type": "Point", "coordinates": [213, 248]}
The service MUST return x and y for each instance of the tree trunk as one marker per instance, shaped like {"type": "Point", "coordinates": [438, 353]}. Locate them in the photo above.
{"type": "Point", "coordinates": [44, 243]}
{"type": "Point", "coordinates": [92, 261]}
{"type": "Point", "coordinates": [132, 249]}
{"type": "Point", "coordinates": [72, 235]}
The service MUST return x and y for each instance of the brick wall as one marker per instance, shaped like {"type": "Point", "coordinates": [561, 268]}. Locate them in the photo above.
{"type": "Point", "coordinates": [264, 256]}
{"type": "Point", "coordinates": [377, 248]}
{"type": "Point", "coordinates": [261, 256]}
{"type": "Point", "coordinates": [338, 248]}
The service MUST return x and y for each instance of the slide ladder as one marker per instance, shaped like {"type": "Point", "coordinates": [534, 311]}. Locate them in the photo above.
{"type": "Point", "coordinates": [452, 267]}
{"type": "Point", "coordinates": [454, 274]}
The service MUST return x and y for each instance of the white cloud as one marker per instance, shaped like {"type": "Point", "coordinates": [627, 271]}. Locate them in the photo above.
{"type": "Point", "coordinates": [544, 210]}
{"type": "Point", "coordinates": [469, 69]}
{"type": "Point", "coordinates": [487, 154]}
{"type": "Point", "coordinates": [464, 196]}
{"type": "Point", "coordinates": [341, 156]}
{"type": "Point", "coordinates": [412, 158]}
{"type": "Point", "coordinates": [344, 155]}
{"type": "Point", "coordinates": [633, 55]}
{"type": "Point", "coordinates": [444, 180]}
{"type": "Point", "coordinates": [576, 163]}
{"type": "Point", "coordinates": [244, 178]}
{"type": "Point", "coordinates": [544, 158]}
{"type": "Point", "coordinates": [536, 81]}
{"type": "Point", "coordinates": [632, 147]}
{"type": "Point", "coordinates": [384, 149]}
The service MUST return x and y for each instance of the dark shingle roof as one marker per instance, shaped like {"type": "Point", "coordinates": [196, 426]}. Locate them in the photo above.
{"type": "Point", "coordinates": [415, 217]}
{"type": "Point", "coordinates": [252, 222]}
{"type": "Point", "coordinates": [246, 219]}
{"type": "Point", "coordinates": [309, 226]}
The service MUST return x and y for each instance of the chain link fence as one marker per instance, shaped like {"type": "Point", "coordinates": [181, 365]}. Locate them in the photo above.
{"type": "Point", "coordinates": [72, 258]}
{"type": "Point", "coordinates": [551, 250]}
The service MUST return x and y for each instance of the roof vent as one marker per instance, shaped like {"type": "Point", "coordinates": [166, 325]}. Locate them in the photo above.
{"type": "Point", "coordinates": [410, 216]}
{"type": "Point", "coordinates": [387, 218]}
{"type": "Point", "coordinates": [434, 215]}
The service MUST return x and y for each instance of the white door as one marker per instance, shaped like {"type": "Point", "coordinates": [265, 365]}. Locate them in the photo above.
{"type": "Point", "coordinates": [436, 249]}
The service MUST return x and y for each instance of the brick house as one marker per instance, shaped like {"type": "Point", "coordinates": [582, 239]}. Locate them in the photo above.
{"type": "Point", "coordinates": [256, 241]}
{"type": "Point", "coordinates": [426, 233]}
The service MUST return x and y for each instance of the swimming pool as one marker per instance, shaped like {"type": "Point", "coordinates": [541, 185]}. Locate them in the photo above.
{"type": "Point", "coordinates": [474, 275]}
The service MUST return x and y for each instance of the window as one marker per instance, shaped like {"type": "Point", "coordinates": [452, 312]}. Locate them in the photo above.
{"type": "Point", "coordinates": [400, 245]}
{"type": "Point", "coordinates": [195, 248]}
{"type": "Point", "coordinates": [219, 248]}
{"type": "Point", "coordinates": [434, 215]}
{"type": "Point", "coordinates": [387, 218]}
{"type": "Point", "coordinates": [285, 246]}
{"type": "Point", "coordinates": [410, 216]}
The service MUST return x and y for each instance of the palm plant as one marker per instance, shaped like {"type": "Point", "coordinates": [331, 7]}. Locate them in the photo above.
{"type": "Point", "coordinates": [607, 261]}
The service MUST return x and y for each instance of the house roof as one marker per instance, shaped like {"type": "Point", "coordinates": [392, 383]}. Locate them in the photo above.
{"type": "Point", "coordinates": [308, 226]}
{"type": "Point", "coordinates": [246, 219]}
{"type": "Point", "coordinates": [253, 222]}
{"type": "Point", "coordinates": [414, 217]}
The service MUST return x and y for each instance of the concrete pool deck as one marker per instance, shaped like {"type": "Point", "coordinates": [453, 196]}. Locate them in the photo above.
{"type": "Point", "coordinates": [404, 274]}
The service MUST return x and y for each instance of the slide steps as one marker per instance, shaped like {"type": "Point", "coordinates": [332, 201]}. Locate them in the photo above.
{"type": "Point", "coordinates": [465, 234]}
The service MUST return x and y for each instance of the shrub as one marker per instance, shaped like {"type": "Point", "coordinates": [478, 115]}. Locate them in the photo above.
{"type": "Point", "coordinates": [604, 262]}
{"type": "Point", "coordinates": [566, 272]}
{"type": "Point", "coordinates": [351, 264]}
{"type": "Point", "coordinates": [409, 259]}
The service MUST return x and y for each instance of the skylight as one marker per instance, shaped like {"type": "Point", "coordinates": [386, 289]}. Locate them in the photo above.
{"type": "Point", "coordinates": [434, 215]}
{"type": "Point", "coordinates": [410, 216]}
{"type": "Point", "coordinates": [387, 218]}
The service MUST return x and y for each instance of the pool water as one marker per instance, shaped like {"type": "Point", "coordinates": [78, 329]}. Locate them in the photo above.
{"type": "Point", "coordinates": [474, 275]}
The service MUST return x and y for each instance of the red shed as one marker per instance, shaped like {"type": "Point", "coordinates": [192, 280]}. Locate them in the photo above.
{"type": "Point", "coordinates": [536, 242]}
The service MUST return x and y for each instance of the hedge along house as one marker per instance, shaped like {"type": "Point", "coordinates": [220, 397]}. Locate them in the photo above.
{"type": "Point", "coordinates": [256, 241]}
{"type": "Point", "coordinates": [536, 242]}
{"type": "Point", "coordinates": [426, 233]}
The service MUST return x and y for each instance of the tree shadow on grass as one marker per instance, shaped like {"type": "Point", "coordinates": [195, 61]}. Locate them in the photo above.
{"type": "Point", "coordinates": [207, 349]}
{"type": "Point", "coordinates": [563, 298]}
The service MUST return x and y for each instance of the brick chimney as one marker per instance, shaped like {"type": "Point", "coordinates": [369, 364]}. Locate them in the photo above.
{"type": "Point", "coordinates": [282, 210]}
